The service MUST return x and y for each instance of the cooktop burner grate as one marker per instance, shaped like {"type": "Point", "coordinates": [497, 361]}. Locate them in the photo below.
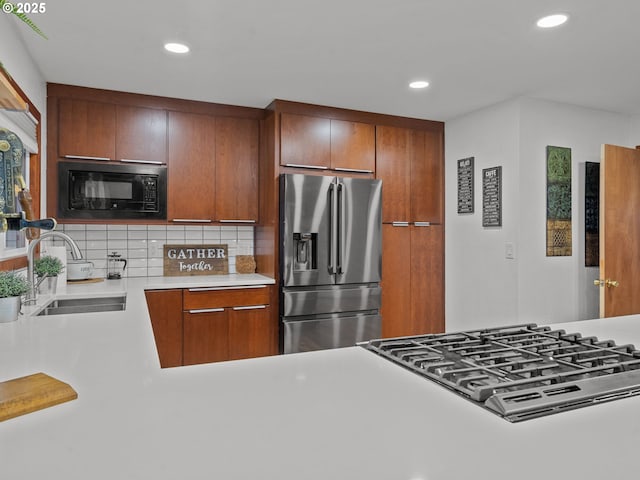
{"type": "Point", "coordinates": [522, 371]}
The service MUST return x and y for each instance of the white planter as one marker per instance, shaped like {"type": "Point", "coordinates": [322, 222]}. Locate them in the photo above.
{"type": "Point", "coordinates": [9, 309]}
{"type": "Point", "coordinates": [48, 286]}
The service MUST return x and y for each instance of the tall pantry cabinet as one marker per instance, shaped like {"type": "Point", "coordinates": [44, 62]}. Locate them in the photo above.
{"type": "Point", "coordinates": [410, 163]}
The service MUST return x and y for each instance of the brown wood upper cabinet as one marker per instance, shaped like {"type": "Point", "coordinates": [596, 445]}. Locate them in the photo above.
{"type": "Point", "coordinates": [410, 164]}
{"type": "Point", "coordinates": [236, 180]}
{"type": "Point", "coordinates": [191, 167]}
{"type": "Point", "coordinates": [322, 143]}
{"type": "Point", "coordinates": [213, 169]}
{"type": "Point", "coordinates": [86, 129]}
{"type": "Point", "coordinates": [103, 131]}
{"type": "Point", "coordinates": [141, 134]}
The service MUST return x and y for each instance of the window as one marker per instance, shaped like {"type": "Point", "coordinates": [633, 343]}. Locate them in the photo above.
{"type": "Point", "coordinates": [25, 124]}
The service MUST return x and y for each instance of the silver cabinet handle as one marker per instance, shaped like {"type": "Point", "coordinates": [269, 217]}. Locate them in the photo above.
{"type": "Point", "coordinates": [207, 310]}
{"type": "Point", "coordinates": [400, 224]}
{"type": "Point", "coordinates": [213, 289]}
{"type": "Point", "coordinates": [152, 162]}
{"type": "Point", "coordinates": [85, 157]}
{"type": "Point", "coordinates": [355, 170]}
{"type": "Point", "coordinates": [297, 165]}
{"type": "Point", "coordinates": [422, 224]}
{"type": "Point", "coordinates": [237, 221]}
{"type": "Point", "coordinates": [251, 307]}
{"type": "Point", "coordinates": [191, 220]}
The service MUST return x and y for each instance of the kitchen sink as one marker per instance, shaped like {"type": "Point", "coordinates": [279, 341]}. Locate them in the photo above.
{"type": "Point", "coordinates": [65, 306]}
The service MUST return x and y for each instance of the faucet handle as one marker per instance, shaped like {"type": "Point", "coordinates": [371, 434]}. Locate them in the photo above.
{"type": "Point", "coordinates": [18, 223]}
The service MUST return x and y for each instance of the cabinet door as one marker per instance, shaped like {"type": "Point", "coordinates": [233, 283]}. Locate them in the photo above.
{"type": "Point", "coordinates": [86, 129]}
{"type": "Point", "coordinates": [396, 281]}
{"type": "Point", "coordinates": [353, 146]}
{"type": "Point", "coordinates": [205, 336]}
{"type": "Point", "coordinates": [191, 167]}
{"type": "Point", "coordinates": [252, 333]}
{"type": "Point", "coordinates": [165, 311]}
{"type": "Point", "coordinates": [236, 180]}
{"type": "Point", "coordinates": [393, 165]}
{"type": "Point", "coordinates": [427, 280]}
{"type": "Point", "coordinates": [305, 140]}
{"type": "Point", "coordinates": [427, 180]}
{"type": "Point", "coordinates": [141, 134]}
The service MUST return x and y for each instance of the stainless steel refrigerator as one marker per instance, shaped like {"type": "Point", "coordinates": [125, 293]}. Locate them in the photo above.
{"type": "Point", "coordinates": [330, 261]}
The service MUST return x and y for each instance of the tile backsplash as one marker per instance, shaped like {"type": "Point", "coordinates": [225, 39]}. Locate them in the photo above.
{"type": "Point", "coordinates": [142, 245]}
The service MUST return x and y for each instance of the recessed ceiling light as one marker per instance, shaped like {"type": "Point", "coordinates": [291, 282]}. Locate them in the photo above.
{"type": "Point", "coordinates": [552, 20]}
{"type": "Point", "coordinates": [419, 84]}
{"type": "Point", "coordinates": [176, 47]}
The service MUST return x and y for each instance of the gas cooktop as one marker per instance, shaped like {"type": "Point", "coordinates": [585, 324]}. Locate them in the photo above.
{"type": "Point", "coordinates": [520, 372]}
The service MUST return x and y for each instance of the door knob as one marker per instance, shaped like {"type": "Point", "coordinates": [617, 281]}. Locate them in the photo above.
{"type": "Point", "coordinates": [608, 282]}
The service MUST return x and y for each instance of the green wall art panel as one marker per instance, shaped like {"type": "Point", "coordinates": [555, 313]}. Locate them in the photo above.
{"type": "Point", "coordinates": [559, 241]}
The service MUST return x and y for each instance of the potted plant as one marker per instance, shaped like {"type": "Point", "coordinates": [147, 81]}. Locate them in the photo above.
{"type": "Point", "coordinates": [12, 287]}
{"type": "Point", "coordinates": [47, 268]}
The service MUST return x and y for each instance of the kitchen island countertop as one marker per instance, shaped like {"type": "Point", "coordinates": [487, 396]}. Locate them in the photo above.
{"type": "Point", "coordinates": [339, 414]}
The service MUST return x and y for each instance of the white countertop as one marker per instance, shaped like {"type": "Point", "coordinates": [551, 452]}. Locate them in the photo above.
{"type": "Point", "coordinates": [338, 414]}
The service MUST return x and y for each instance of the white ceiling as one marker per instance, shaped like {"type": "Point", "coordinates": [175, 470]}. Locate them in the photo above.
{"type": "Point", "coordinates": [357, 54]}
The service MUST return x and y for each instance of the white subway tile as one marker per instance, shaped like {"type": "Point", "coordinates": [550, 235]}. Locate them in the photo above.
{"type": "Point", "coordinates": [212, 235]}
{"type": "Point", "coordinates": [72, 227]}
{"type": "Point", "coordinates": [116, 234]}
{"type": "Point", "coordinates": [136, 244]}
{"type": "Point", "coordinates": [117, 245]}
{"type": "Point", "coordinates": [97, 255]}
{"type": "Point", "coordinates": [96, 226]}
{"type": "Point", "coordinates": [136, 272]}
{"type": "Point", "coordinates": [137, 253]}
{"type": "Point", "coordinates": [157, 234]}
{"type": "Point", "coordinates": [175, 235]}
{"type": "Point", "coordinates": [96, 234]}
{"type": "Point", "coordinates": [155, 262]}
{"type": "Point", "coordinates": [136, 263]}
{"type": "Point", "coordinates": [96, 245]}
{"type": "Point", "coordinates": [155, 271]}
{"type": "Point", "coordinates": [136, 228]}
{"type": "Point", "coordinates": [136, 235]}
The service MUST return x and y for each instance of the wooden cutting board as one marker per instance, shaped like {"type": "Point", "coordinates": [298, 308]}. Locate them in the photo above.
{"type": "Point", "coordinates": [88, 280]}
{"type": "Point", "coordinates": [31, 393]}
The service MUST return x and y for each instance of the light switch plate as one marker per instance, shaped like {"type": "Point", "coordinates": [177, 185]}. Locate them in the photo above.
{"type": "Point", "coordinates": [509, 251]}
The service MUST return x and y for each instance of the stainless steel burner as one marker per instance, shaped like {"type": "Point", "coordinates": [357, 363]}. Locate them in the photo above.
{"type": "Point", "coordinates": [520, 372]}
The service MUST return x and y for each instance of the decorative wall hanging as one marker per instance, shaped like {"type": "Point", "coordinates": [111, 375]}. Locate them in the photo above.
{"type": "Point", "coordinates": [559, 241]}
{"type": "Point", "coordinates": [195, 260]}
{"type": "Point", "coordinates": [592, 214]}
{"type": "Point", "coordinates": [465, 185]}
{"type": "Point", "coordinates": [492, 197]}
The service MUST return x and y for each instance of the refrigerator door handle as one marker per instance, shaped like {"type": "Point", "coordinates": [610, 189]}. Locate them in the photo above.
{"type": "Point", "coordinates": [341, 228]}
{"type": "Point", "coordinates": [332, 230]}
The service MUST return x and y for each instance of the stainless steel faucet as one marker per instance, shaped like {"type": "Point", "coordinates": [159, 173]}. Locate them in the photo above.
{"type": "Point", "coordinates": [75, 253]}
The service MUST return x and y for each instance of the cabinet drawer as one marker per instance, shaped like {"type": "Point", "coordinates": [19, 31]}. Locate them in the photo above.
{"type": "Point", "coordinates": [220, 297]}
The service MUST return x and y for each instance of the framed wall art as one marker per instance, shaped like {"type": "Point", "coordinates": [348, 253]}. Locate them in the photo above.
{"type": "Point", "coordinates": [559, 241]}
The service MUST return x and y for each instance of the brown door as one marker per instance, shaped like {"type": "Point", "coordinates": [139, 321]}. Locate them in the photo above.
{"type": "Point", "coordinates": [619, 231]}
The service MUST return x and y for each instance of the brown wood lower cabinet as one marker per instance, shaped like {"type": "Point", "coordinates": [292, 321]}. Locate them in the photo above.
{"type": "Point", "coordinates": [165, 311]}
{"type": "Point", "coordinates": [206, 336]}
{"type": "Point", "coordinates": [252, 332]}
{"type": "Point", "coordinates": [204, 325]}
{"type": "Point", "coordinates": [412, 280]}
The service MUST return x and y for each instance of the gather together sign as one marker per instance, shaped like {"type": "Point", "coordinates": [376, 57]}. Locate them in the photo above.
{"type": "Point", "coordinates": [195, 260]}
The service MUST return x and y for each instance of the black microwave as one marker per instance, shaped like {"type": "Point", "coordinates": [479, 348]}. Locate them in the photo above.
{"type": "Point", "coordinates": [112, 191]}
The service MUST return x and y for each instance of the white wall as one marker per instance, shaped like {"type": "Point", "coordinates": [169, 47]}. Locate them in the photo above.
{"type": "Point", "coordinates": [18, 62]}
{"type": "Point", "coordinates": [483, 287]}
